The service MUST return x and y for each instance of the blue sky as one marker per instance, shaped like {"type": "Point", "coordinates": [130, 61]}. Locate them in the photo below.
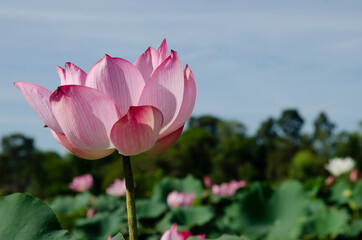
{"type": "Point", "coordinates": [251, 59]}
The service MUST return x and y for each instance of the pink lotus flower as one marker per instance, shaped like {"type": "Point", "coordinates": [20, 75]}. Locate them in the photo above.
{"type": "Point", "coordinates": [91, 212]}
{"type": "Point", "coordinates": [172, 234]}
{"type": "Point", "coordinates": [109, 237]}
{"type": "Point", "coordinates": [186, 234]}
{"type": "Point", "coordinates": [118, 188]}
{"type": "Point", "coordinates": [81, 183]}
{"type": "Point", "coordinates": [134, 108]}
{"type": "Point", "coordinates": [227, 189]}
{"type": "Point", "coordinates": [177, 199]}
{"type": "Point", "coordinates": [329, 180]}
{"type": "Point", "coordinates": [354, 176]}
{"type": "Point", "coordinates": [207, 181]}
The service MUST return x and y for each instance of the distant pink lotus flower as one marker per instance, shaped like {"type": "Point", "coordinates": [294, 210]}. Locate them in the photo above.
{"type": "Point", "coordinates": [118, 188]}
{"type": "Point", "coordinates": [329, 180]}
{"type": "Point", "coordinates": [134, 108]}
{"type": "Point", "coordinates": [177, 199]}
{"type": "Point", "coordinates": [227, 189]}
{"type": "Point", "coordinates": [172, 234]}
{"type": "Point", "coordinates": [91, 212]}
{"type": "Point", "coordinates": [109, 237]}
{"type": "Point", "coordinates": [354, 175]}
{"type": "Point", "coordinates": [207, 181]}
{"type": "Point", "coordinates": [183, 235]}
{"type": "Point", "coordinates": [81, 183]}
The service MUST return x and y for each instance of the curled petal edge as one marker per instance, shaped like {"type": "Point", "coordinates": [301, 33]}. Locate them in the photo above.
{"type": "Point", "coordinates": [137, 131]}
{"type": "Point", "coordinates": [82, 153]}
{"type": "Point", "coordinates": [38, 99]}
{"type": "Point", "coordinates": [188, 102]}
{"type": "Point", "coordinates": [171, 234]}
{"type": "Point", "coordinates": [166, 142]}
{"type": "Point", "coordinates": [90, 115]}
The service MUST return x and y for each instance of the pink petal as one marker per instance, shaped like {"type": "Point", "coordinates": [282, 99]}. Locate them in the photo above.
{"type": "Point", "coordinates": [171, 234]}
{"type": "Point", "coordinates": [165, 88]}
{"type": "Point", "coordinates": [85, 115]}
{"type": "Point", "coordinates": [38, 99]}
{"type": "Point", "coordinates": [166, 142]}
{"type": "Point", "coordinates": [162, 52]}
{"type": "Point", "coordinates": [147, 63]}
{"type": "Point", "coordinates": [81, 183]}
{"type": "Point", "coordinates": [119, 79]}
{"type": "Point", "coordinates": [82, 153]}
{"type": "Point", "coordinates": [137, 131]}
{"type": "Point", "coordinates": [61, 72]}
{"type": "Point", "coordinates": [71, 75]}
{"type": "Point", "coordinates": [188, 102]}
{"type": "Point", "coordinates": [118, 188]}
{"type": "Point", "coordinates": [183, 235]}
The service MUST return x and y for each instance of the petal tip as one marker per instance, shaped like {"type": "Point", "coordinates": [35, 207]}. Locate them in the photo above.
{"type": "Point", "coordinates": [164, 42]}
{"type": "Point", "coordinates": [69, 65]}
{"type": "Point", "coordinates": [187, 72]}
{"type": "Point", "coordinates": [174, 54]}
{"type": "Point", "coordinates": [59, 68]}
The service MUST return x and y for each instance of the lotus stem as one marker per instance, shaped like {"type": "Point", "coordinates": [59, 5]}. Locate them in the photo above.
{"type": "Point", "coordinates": [130, 199]}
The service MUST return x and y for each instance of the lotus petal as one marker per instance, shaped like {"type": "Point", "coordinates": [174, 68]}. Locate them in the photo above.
{"type": "Point", "coordinates": [82, 153]}
{"type": "Point", "coordinates": [137, 131]}
{"type": "Point", "coordinates": [162, 52]}
{"type": "Point", "coordinates": [171, 234]}
{"type": "Point", "coordinates": [188, 102]}
{"type": "Point", "coordinates": [119, 79]}
{"type": "Point", "coordinates": [166, 142]}
{"type": "Point", "coordinates": [147, 63]}
{"type": "Point", "coordinates": [165, 88]}
{"type": "Point", "coordinates": [86, 115]}
{"type": "Point", "coordinates": [38, 99]}
{"type": "Point", "coordinates": [71, 75]}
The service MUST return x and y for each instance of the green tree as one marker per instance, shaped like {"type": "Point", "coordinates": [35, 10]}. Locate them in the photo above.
{"type": "Point", "coordinates": [236, 154]}
{"type": "Point", "coordinates": [305, 165]}
{"type": "Point", "coordinates": [16, 162]}
{"type": "Point", "coordinates": [349, 145]}
{"type": "Point", "coordinates": [207, 122]}
{"type": "Point", "coordinates": [323, 136]}
{"type": "Point", "coordinates": [291, 124]}
{"type": "Point", "coordinates": [192, 153]}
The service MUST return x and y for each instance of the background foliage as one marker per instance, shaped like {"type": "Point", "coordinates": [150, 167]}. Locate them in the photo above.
{"type": "Point", "coordinates": [271, 206]}
{"type": "Point", "coordinates": [210, 146]}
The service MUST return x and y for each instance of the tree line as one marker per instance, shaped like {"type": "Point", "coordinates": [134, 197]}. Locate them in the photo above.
{"type": "Point", "coordinates": [209, 145]}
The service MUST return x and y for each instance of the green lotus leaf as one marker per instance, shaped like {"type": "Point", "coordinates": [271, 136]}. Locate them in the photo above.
{"type": "Point", "coordinates": [101, 225]}
{"type": "Point", "coordinates": [259, 213]}
{"type": "Point", "coordinates": [326, 221]}
{"type": "Point", "coordinates": [147, 209]}
{"type": "Point", "coordinates": [357, 194]}
{"type": "Point", "coordinates": [118, 237]}
{"type": "Point", "coordinates": [223, 237]}
{"type": "Point", "coordinates": [341, 192]}
{"type": "Point", "coordinates": [355, 229]}
{"type": "Point", "coordinates": [108, 203]}
{"type": "Point", "coordinates": [25, 217]}
{"type": "Point", "coordinates": [68, 205]}
{"type": "Point", "coordinates": [186, 218]}
{"type": "Point", "coordinates": [188, 184]}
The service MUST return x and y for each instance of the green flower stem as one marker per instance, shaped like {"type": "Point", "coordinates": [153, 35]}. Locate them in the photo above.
{"type": "Point", "coordinates": [131, 207]}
